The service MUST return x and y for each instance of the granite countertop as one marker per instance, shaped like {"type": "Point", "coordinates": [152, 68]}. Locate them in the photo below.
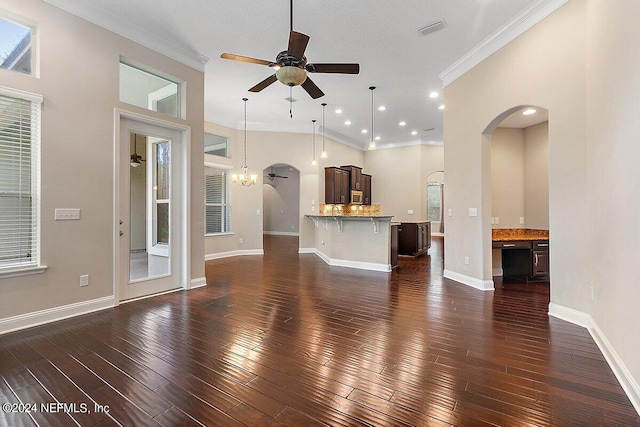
{"type": "Point", "coordinates": [352, 216]}
{"type": "Point", "coordinates": [509, 234]}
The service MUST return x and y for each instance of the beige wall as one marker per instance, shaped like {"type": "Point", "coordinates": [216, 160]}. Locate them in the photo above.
{"type": "Point", "coordinates": [613, 175]}
{"type": "Point", "coordinates": [399, 179]}
{"type": "Point", "coordinates": [520, 177]}
{"type": "Point", "coordinates": [79, 66]}
{"type": "Point", "coordinates": [536, 176]}
{"type": "Point", "coordinates": [507, 177]}
{"type": "Point", "coordinates": [580, 63]}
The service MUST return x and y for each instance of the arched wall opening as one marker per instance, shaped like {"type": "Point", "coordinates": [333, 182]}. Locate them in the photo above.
{"type": "Point", "coordinates": [281, 203]}
{"type": "Point", "coordinates": [516, 188]}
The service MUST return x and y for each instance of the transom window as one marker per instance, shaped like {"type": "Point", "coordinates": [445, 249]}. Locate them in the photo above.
{"type": "Point", "coordinates": [150, 91]}
{"type": "Point", "coordinates": [216, 145]}
{"type": "Point", "coordinates": [15, 47]}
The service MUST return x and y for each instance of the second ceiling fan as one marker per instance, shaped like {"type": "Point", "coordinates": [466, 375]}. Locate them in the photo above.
{"type": "Point", "coordinates": [291, 65]}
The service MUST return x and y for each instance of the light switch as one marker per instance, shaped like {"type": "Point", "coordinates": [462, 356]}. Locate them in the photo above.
{"type": "Point", "coordinates": [66, 214]}
{"type": "Point", "coordinates": [473, 211]}
{"type": "Point", "coordinates": [450, 212]}
{"type": "Point", "coordinates": [258, 212]}
{"type": "Point", "coordinates": [497, 221]}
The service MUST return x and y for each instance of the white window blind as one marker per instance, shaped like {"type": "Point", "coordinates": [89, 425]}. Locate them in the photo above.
{"type": "Point", "coordinates": [217, 207]}
{"type": "Point", "coordinates": [19, 180]}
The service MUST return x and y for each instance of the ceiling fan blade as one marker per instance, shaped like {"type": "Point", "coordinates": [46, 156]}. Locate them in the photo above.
{"type": "Point", "coordinates": [245, 59]}
{"type": "Point", "coordinates": [333, 68]}
{"type": "Point", "coordinates": [263, 84]}
{"type": "Point", "coordinates": [312, 89]}
{"type": "Point", "coordinates": [297, 44]}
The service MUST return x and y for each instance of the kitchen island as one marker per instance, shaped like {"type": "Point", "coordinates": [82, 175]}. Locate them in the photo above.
{"type": "Point", "coordinates": [356, 241]}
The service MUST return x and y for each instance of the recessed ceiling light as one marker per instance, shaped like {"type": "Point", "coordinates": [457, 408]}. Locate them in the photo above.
{"type": "Point", "coordinates": [377, 138]}
{"type": "Point", "coordinates": [402, 124]}
{"type": "Point", "coordinates": [382, 108]}
{"type": "Point", "coordinates": [529, 111]}
{"type": "Point", "coordinates": [441, 107]}
{"type": "Point", "coordinates": [364, 131]}
{"type": "Point", "coordinates": [338, 111]}
{"type": "Point", "coordinates": [415, 132]}
{"type": "Point", "coordinates": [433, 95]}
{"type": "Point", "coordinates": [348, 122]}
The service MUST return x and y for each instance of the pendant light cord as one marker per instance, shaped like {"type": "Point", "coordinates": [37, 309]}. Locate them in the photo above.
{"type": "Point", "coordinates": [373, 133]}
{"type": "Point", "coordinates": [245, 131]}
{"type": "Point", "coordinates": [323, 105]}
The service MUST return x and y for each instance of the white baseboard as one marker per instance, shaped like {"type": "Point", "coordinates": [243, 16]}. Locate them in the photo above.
{"type": "Point", "coordinates": [483, 285]}
{"type": "Point", "coordinates": [306, 250]}
{"type": "Point", "coordinates": [437, 233]}
{"type": "Point", "coordinates": [198, 282]}
{"type": "Point", "coordinates": [233, 253]}
{"type": "Point", "coordinates": [49, 315]}
{"type": "Point", "coordinates": [372, 266]}
{"type": "Point", "coordinates": [281, 233]}
{"type": "Point", "coordinates": [620, 370]}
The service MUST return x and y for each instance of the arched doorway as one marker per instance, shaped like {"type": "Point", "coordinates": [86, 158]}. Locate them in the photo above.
{"type": "Point", "coordinates": [435, 202]}
{"type": "Point", "coordinates": [517, 169]}
{"type": "Point", "coordinates": [281, 208]}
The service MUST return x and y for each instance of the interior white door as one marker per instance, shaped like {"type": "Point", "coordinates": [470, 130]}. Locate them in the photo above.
{"type": "Point", "coordinates": [150, 249]}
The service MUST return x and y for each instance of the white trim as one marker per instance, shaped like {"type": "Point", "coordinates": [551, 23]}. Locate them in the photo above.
{"type": "Point", "coordinates": [49, 315]}
{"type": "Point", "coordinates": [570, 315]}
{"type": "Point", "coordinates": [437, 234]}
{"type": "Point", "coordinates": [483, 285]}
{"type": "Point", "coordinates": [170, 291]}
{"type": "Point", "coordinates": [229, 254]}
{"type": "Point", "coordinates": [16, 93]}
{"type": "Point", "coordinates": [617, 365]}
{"type": "Point", "coordinates": [198, 282]}
{"type": "Point", "coordinates": [105, 18]}
{"type": "Point", "coordinates": [17, 272]}
{"type": "Point", "coordinates": [281, 233]}
{"type": "Point", "coordinates": [371, 266]}
{"type": "Point", "coordinates": [500, 38]}
{"type": "Point", "coordinates": [306, 250]}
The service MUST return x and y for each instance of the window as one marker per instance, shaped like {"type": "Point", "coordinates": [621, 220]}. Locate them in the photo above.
{"type": "Point", "coordinates": [149, 91]}
{"type": "Point", "coordinates": [19, 180]}
{"type": "Point", "coordinates": [434, 201]}
{"type": "Point", "coordinates": [216, 145]}
{"type": "Point", "coordinates": [217, 207]}
{"type": "Point", "coordinates": [15, 47]}
{"type": "Point", "coordinates": [161, 195]}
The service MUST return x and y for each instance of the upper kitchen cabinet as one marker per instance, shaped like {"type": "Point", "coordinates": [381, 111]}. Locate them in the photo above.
{"type": "Point", "coordinates": [337, 188]}
{"type": "Point", "coordinates": [366, 189]}
{"type": "Point", "coordinates": [355, 177]}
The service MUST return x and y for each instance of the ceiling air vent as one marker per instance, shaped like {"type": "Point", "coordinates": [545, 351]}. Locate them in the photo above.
{"type": "Point", "coordinates": [431, 28]}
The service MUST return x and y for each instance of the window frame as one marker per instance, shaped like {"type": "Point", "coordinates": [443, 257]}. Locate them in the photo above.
{"type": "Point", "coordinates": [33, 43]}
{"type": "Point", "coordinates": [17, 268]}
{"type": "Point", "coordinates": [439, 185]}
{"type": "Point", "coordinates": [228, 204]}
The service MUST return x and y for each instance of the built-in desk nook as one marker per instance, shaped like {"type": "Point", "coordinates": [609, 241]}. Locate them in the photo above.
{"type": "Point", "coordinates": [524, 252]}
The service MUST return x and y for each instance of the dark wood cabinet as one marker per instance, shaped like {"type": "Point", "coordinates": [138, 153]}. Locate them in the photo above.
{"type": "Point", "coordinates": [336, 186]}
{"type": "Point", "coordinates": [355, 177]}
{"type": "Point", "coordinates": [394, 245]}
{"type": "Point", "coordinates": [414, 238]}
{"type": "Point", "coordinates": [540, 261]}
{"type": "Point", "coordinates": [524, 258]}
{"type": "Point", "coordinates": [366, 189]}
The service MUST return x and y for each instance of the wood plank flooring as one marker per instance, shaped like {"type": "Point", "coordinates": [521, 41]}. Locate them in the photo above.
{"type": "Point", "coordinates": [285, 340]}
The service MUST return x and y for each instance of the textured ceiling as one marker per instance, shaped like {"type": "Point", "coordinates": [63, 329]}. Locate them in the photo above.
{"type": "Point", "coordinates": [382, 36]}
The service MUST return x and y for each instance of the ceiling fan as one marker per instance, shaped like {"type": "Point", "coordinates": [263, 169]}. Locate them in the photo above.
{"type": "Point", "coordinates": [291, 65]}
{"type": "Point", "coordinates": [136, 159]}
{"type": "Point", "coordinates": [271, 175]}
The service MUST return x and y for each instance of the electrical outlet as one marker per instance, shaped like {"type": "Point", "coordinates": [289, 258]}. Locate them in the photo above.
{"type": "Point", "coordinates": [497, 220]}
{"type": "Point", "coordinates": [241, 240]}
{"type": "Point", "coordinates": [521, 220]}
{"type": "Point", "coordinates": [450, 212]}
{"type": "Point", "coordinates": [466, 260]}
{"type": "Point", "coordinates": [258, 212]}
{"type": "Point", "coordinates": [473, 211]}
{"type": "Point", "coordinates": [410, 211]}
{"type": "Point", "coordinates": [593, 294]}
{"type": "Point", "coordinates": [84, 280]}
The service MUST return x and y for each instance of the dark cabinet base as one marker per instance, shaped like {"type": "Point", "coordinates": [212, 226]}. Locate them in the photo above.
{"type": "Point", "coordinates": [414, 238]}
{"type": "Point", "coordinates": [525, 260]}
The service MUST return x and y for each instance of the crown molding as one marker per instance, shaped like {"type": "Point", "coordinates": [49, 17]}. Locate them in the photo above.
{"type": "Point", "coordinates": [500, 38]}
{"type": "Point", "coordinates": [106, 19]}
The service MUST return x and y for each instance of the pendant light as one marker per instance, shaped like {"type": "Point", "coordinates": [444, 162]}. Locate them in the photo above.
{"type": "Point", "coordinates": [313, 143]}
{"type": "Point", "coordinates": [372, 143]}
{"type": "Point", "coordinates": [324, 150]}
{"type": "Point", "coordinates": [245, 178]}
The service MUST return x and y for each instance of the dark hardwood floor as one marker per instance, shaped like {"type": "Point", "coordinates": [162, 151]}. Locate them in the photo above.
{"type": "Point", "coordinates": [285, 340]}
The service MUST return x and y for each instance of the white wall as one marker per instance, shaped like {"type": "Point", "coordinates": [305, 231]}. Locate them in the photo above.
{"type": "Point", "coordinates": [79, 75]}
{"type": "Point", "coordinates": [507, 177]}
{"type": "Point", "coordinates": [536, 176]}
